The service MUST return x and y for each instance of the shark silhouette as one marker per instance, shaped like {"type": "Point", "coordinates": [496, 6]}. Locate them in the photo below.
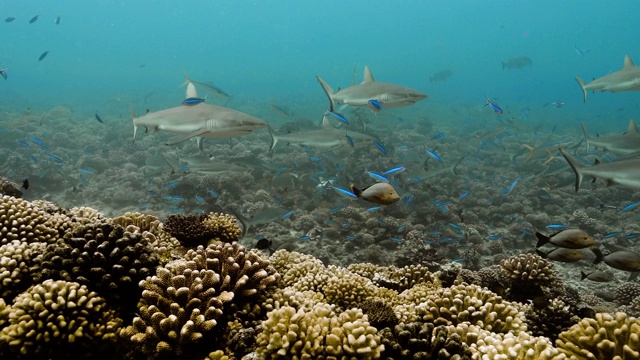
{"type": "Point", "coordinates": [625, 79]}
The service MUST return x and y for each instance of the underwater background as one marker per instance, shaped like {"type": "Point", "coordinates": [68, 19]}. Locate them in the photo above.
{"type": "Point", "coordinates": [247, 245]}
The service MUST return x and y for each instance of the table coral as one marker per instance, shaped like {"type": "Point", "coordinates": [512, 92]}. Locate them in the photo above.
{"type": "Point", "coordinates": [605, 337]}
{"type": "Point", "coordinates": [46, 319]}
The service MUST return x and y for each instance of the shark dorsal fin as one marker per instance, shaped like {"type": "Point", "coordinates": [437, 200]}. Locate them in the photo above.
{"type": "Point", "coordinates": [191, 91]}
{"type": "Point", "coordinates": [368, 76]}
{"type": "Point", "coordinates": [633, 128]}
{"type": "Point", "coordinates": [628, 62]}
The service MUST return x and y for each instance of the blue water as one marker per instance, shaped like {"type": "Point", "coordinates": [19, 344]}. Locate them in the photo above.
{"type": "Point", "coordinates": [264, 50]}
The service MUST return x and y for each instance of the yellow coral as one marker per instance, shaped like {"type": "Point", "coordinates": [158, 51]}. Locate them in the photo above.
{"type": "Point", "coordinates": [21, 220]}
{"type": "Point", "coordinates": [605, 337]}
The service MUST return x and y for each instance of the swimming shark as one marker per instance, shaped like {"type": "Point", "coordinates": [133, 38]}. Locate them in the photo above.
{"type": "Point", "coordinates": [625, 172]}
{"type": "Point", "coordinates": [625, 79]}
{"type": "Point", "coordinates": [325, 138]}
{"type": "Point", "coordinates": [387, 95]}
{"type": "Point", "coordinates": [202, 164]}
{"type": "Point", "coordinates": [197, 121]}
{"type": "Point", "coordinates": [267, 215]}
{"type": "Point", "coordinates": [627, 143]}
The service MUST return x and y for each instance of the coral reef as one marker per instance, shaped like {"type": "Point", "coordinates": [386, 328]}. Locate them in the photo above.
{"type": "Point", "coordinates": [21, 220]}
{"type": "Point", "coordinates": [615, 337]}
{"type": "Point", "coordinates": [58, 319]}
{"type": "Point", "coordinates": [199, 229]}
{"type": "Point", "coordinates": [423, 341]}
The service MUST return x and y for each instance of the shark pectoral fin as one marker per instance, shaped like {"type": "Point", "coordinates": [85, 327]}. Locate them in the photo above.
{"type": "Point", "coordinates": [185, 137]}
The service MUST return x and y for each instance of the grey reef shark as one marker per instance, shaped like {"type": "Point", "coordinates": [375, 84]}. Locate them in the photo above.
{"type": "Point", "coordinates": [197, 119]}
{"type": "Point", "coordinates": [369, 92]}
{"type": "Point", "coordinates": [625, 79]}
{"type": "Point", "coordinates": [624, 172]}
{"type": "Point", "coordinates": [624, 144]}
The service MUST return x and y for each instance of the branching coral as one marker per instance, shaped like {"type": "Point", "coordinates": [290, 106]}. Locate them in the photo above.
{"type": "Point", "coordinates": [472, 304]}
{"type": "Point", "coordinates": [46, 319]}
{"type": "Point", "coordinates": [605, 337]}
{"type": "Point", "coordinates": [320, 332]}
{"type": "Point", "coordinates": [422, 341]}
{"type": "Point", "coordinates": [184, 302]}
{"type": "Point", "coordinates": [549, 320]}
{"type": "Point", "coordinates": [105, 257]}
{"type": "Point", "coordinates": [21, 220]}
{"type": "Point", "coordinates": [16, 258]}
{"type": "Point", "coordinates": [199, 229]}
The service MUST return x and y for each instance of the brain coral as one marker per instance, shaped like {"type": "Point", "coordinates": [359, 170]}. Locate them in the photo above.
{"type": "Point", "coordinates": [46, 319]}
{"type": "Point", "coordinates": [317, 333]}
{"type": "Point", "coordinates": [605, 337]}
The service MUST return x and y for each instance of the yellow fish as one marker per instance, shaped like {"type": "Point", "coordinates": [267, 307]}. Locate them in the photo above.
{"type": "Point", "coordinates": [379, 193]}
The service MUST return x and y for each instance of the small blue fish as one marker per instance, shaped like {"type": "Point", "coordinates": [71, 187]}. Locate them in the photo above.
{"type": "Point", "coordinates": [344, 192]}
{"type": "Point", "coordinates": [171, 185]}
{"type": "Point", "coordinates": [35, 141]}
{"type": "Point", "coordinates": [513, 184]}
{"type": "Point", "coordinates": [495, 107]}
{"type": "Point", "coordinates": [192, 101]}
{"type": "Point", "coordinates": [304, 237]}
{"type": "Point", "coordinates": [151, 192]}
{"type": "Point", "coordinates": [442, 208]}
{"type": "Point", "coordinates": [494, 237]}
{"type": "Point", "coordinates": [458, 260]}
{"type": "Point", "coordinates": [438, 136]}
{"type": "Point", "coordinates": [632, 236]}
{"type": "Point", "coordinates": [83, 181]}
{"type": "Point", "coordinates": [580, 52]}
{"type": "Point", "coordinates": [380, 147]}
{"type": "Point", "coordinates": [338, 116]}
{"type": "Point", "coordinates": [350, 140]}
{"type": "Point", "coordinates": [400, 228]}
{"type": "Point", "coordinates": [287, 214]}
{"type": "Point", "coordinates": [335, 208]}
{"type": "Point", "coordinates": [377, 176]}
{"type": "Point", "coordinates": [184, 168]}
{"type": "Point", "coordinates": [55, 158]}
{"type": "Point", "coordinates": [408, 200]}
{"type": "Point", "coordinates": [277, 199]}
{"type": "Point", "coordinates": [557, 226]}
{"type": "Point", "coordinates": [23, 143]}
{"type": "Point", "coordinates": [351, 237]}
{"type": "Point", "coordinates": [85, 171]}
{"type": "Point", "coordinates": [213, 193]}
{"type": "Point", "coordinates": [375, 208]}
{"type": "Point", "coordinates": [464, 195]}
{"type": "Point", "coordinates": [33, 158]}
{"type": "Point", "coordinates": [375, 105]}
{"type": "Point", "coordinates": [559, 104]}
{"type": "Point", "coordinates": [345, 225]}
{"type": "Point", "coordinates": [434, 155]}
{"type": "Point", "coordinates": [631, 206]}
{"type": "Point", "coordinates": [397, 240]}
{"type": "Point", "coordinates": [394, 170]}
{"type": "Point", "coordinates": [612, 234]}
{"type": "Point", "coordinates": [199, 198]}
{"type": "Point", "coordinates": [381, 222]}
{"type": "Point", "coordinates": [44, 148]}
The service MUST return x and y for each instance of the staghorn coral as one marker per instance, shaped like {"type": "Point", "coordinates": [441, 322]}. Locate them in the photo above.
{"type": "Point", "coordinates": [473, 304]}
{"type": "Point", "coordinates": [46, 319]}
{"type": "Point", "coordinates": [422, 341]}
{"type": "Point", "coordinates": [199, 229]}
{"type": "Point", "coordinates": [21, 220]}
{"type": "Point", "coordinates": [184, 302]}
{"type": "Point", "coordinates": [105, 257]}
{"type": "Point", "coordinates": [605, 337]}
{"type": "Point", "coordinates": [16, 259]}
{"type": "Point", "coordinates": [319, 332]}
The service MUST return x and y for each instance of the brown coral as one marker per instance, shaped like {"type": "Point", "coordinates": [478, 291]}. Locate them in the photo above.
{"type": "Point", "coordinates": [199, 229]}
{"type": "Point", "coordinates": [21, 220]}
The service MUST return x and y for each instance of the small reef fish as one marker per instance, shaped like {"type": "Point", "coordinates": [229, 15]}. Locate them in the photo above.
{"type": "Point", "coordinates": [9, 19]}
{"type": "Point", "coordinates": [558, 104]}
{"type": "Point", "coordinates": [34, 19]}
{"type": "Point", "coordinates": [441, 75]}
{"type": "Point", "coordinates": [561, 254]}
{"type": "Point", "coordinates": [380, 147]}
{"type": "Point", "coordinates": [43, 55]}
{"type": "Point", "coordinates": [621, 260]}
{"type": "Point", "coordinates": [337, 116]}
{"type": "Point", "coordinates": [192, 101]}
{"type": "Point", "coordinates": [568, 239]}
{"type": "Point", "coordinates": [597, 276]}
{"type": "Point", "coordinates": [379, 193]}
{"type": "Point", "coordinates": [57, 21]}
{"type": "Point", "coordinates": [25, 184]}
{"type": "Point", "coordinates": [517, 62]}
{"type": "Point", "coordinates": [580, 52]}
{"type": "Point", "coordinates": [495, 107]}
{"type": "Point", "coordinates": [98, 117]}
{"type": "Point", "coordinates": [264, 244]}
{"type": "Point", "coordinates": [375, 105]}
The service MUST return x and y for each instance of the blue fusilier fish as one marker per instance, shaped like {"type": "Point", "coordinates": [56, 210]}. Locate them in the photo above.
{"type": "Point", "coordinates": [99, 118]}
{"type": "Point", "coordinates": [377, 176]}
{"type": "Point", "coordinates": [338, 116]}
{"type": "Point", "coordinates": [495, 107]}
{"type": "Point", "coordinates": [192, 101]}
{"type": "Point", "coordinates": [43, 55]}
{"type": "Point", "coordinates": [557, 103]}
{"type": "Point", "coordinates": [375, 105]}
{"type": "Point", "coordinates": [380, 147]}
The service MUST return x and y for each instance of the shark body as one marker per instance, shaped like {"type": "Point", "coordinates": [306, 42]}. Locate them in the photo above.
{"type": "Point", "coordinates": [325, 138]}
{"type": "Point", "coordinates": [386, 94]}
{"type": "Point", "coordinates": [199, 121]}
{"type": "Point", "coordinates": [625, 79]}
{"type": "Point", "coordinates": [626, 144]}
{"type": "Point", "coordinates": [624, 172]}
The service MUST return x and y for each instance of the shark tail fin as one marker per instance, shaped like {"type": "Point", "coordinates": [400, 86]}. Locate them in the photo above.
{"type": "Point", "coordinates": [329, 91]}
{"type": "Point", "coordinates": [274, 138]}
{"type": "Point", "coordinates": [243, 220]}
{"type": "Point", "coordinates": [135, 128]}
{"type": "Point", "coordinates": [575, 166]}
{"type": "Point", "coordinates": [582, 86]}
{"type": "Point", "coordinates": [586, 136]}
